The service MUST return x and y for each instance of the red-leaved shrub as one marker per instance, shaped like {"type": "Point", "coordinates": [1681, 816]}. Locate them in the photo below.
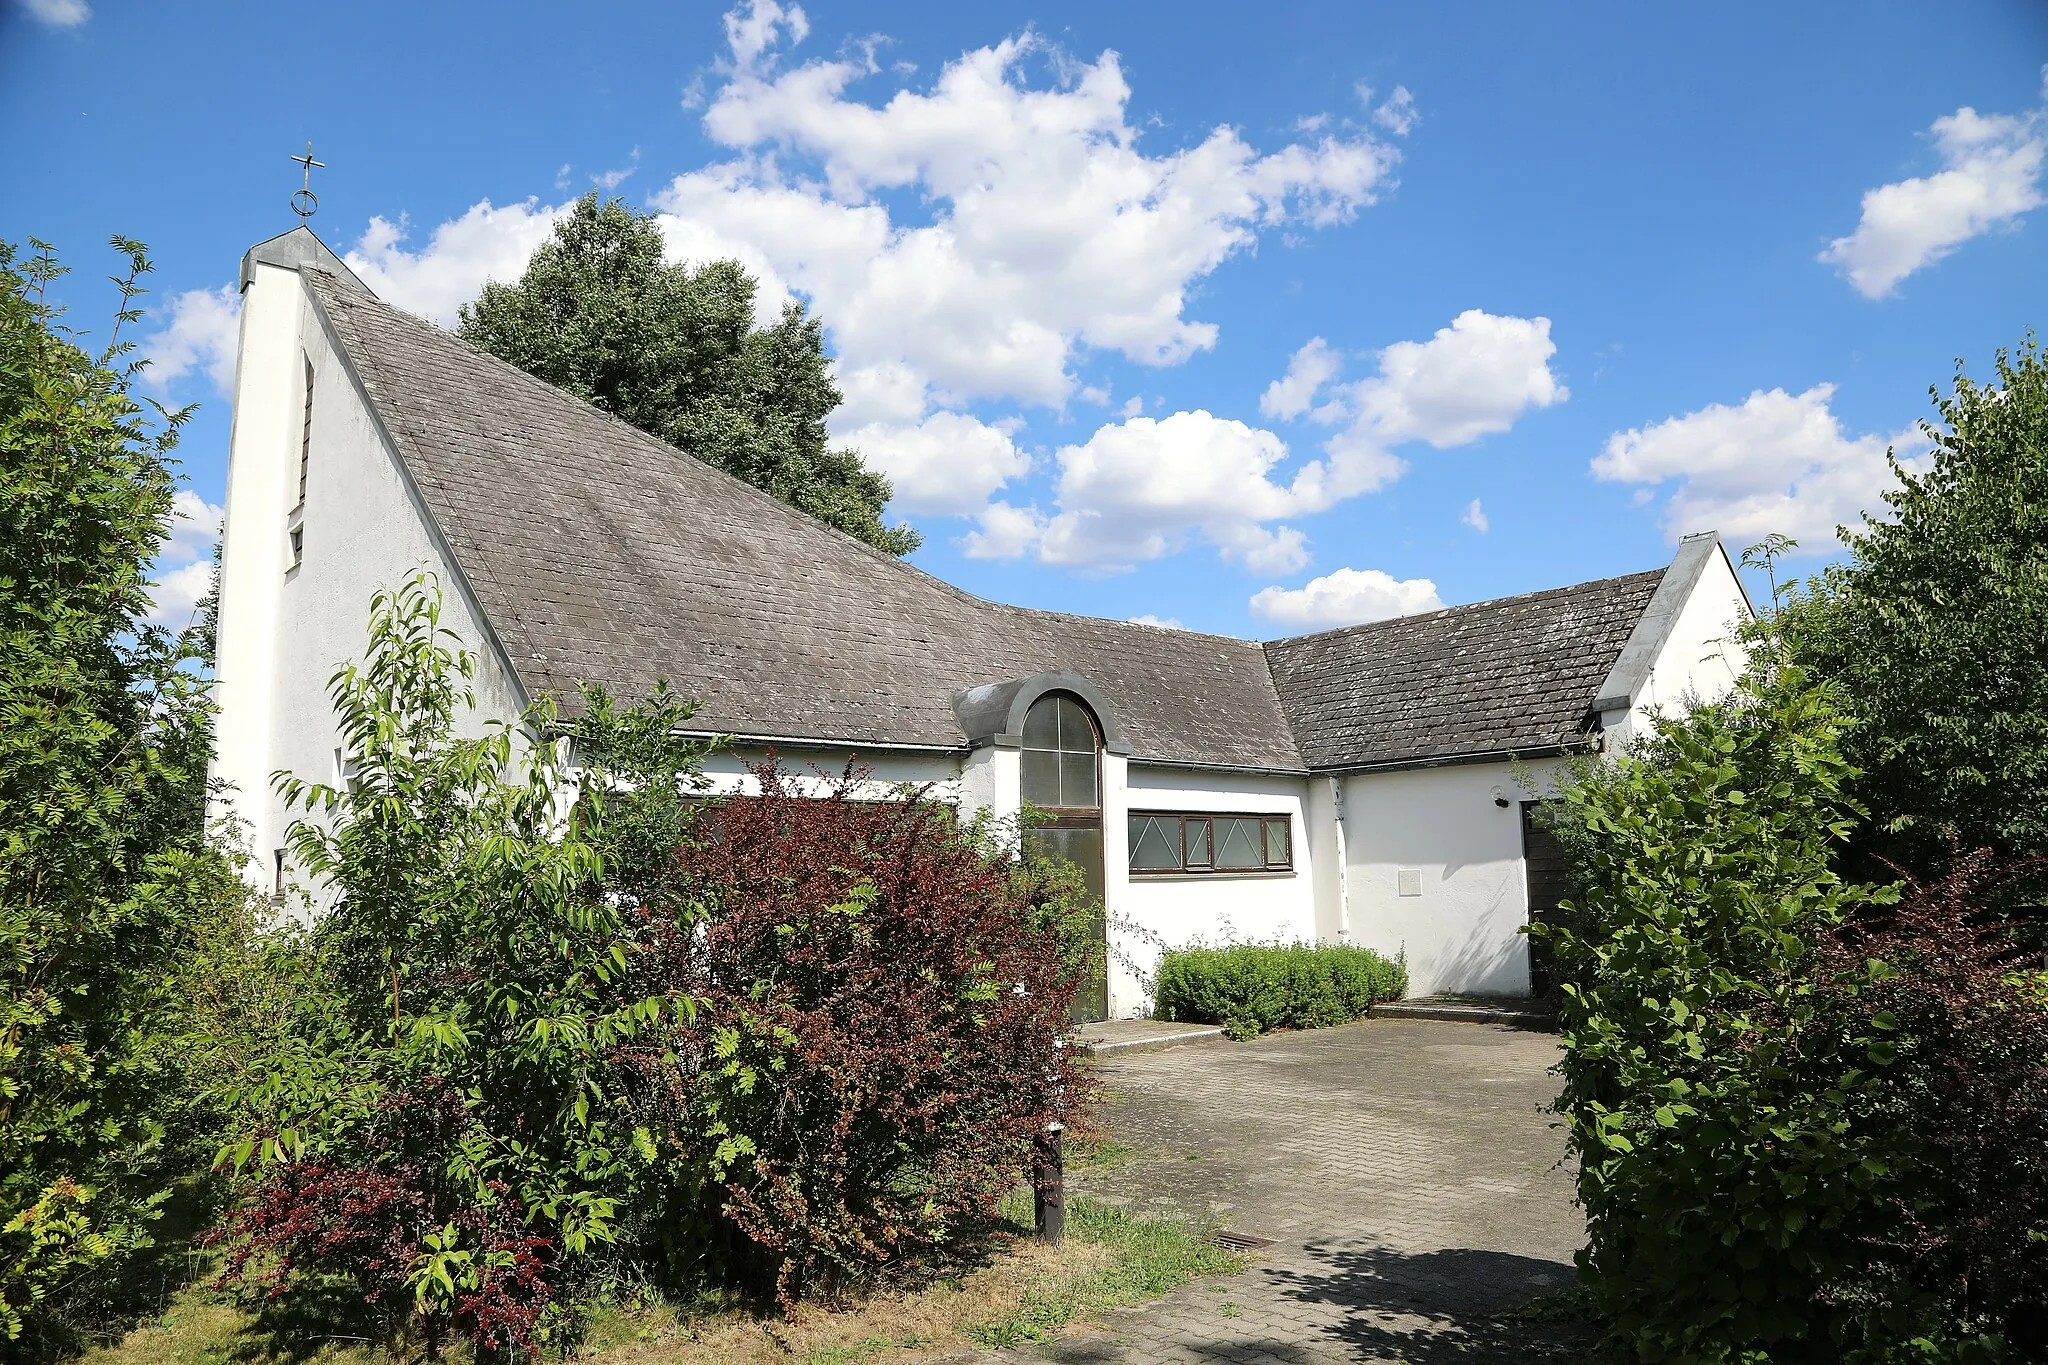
{"type": "Point", "coordinates": [1958, 1016]}
{"type": "Point", "coordinates": [366, 1225]}
{"type": "Point", "coordinates": [880, 1002]}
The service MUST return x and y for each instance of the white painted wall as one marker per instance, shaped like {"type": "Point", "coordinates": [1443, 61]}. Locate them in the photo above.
{"type": "Point", "coordinates": [253, 551]}
{"type": "Point", "coordinates": [729, 770]}
{"type": "Point", "coordinates": [1211, 906]}
{"type": "Point", "coordinates": [285, 631]}
{"type": "Point", "coordinates": [1461, 931]}
{"type": "Point", "coordinates": [1701, 656]}
{"type": "Point", "coordinates": [991, 779]}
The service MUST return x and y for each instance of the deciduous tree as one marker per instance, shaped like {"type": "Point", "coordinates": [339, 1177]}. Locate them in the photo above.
{"type": "Point", "coordinates": [673, 349]}
{"type": "Point", "coordinates": [1936, 629]}
{"type": "Point", "coordinates": [104, 873]}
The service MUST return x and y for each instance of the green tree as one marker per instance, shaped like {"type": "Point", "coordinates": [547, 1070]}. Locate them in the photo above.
{"type": "Point", "coordinates": [1936, 629]}
{"type": "Point", "coordinates": [445, 1119]}
{"type": "Point", "coordinates": [674, 351]}
{"type": "Point", "coordinates": [104, 872]}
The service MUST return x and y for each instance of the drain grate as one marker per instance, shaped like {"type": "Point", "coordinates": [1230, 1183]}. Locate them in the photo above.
{"type": "Point", "coordinates": [1241, 1241]}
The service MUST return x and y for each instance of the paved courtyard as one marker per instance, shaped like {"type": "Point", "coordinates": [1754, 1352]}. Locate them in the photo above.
{"type": "Point", "coordinates": [1410, 1186]}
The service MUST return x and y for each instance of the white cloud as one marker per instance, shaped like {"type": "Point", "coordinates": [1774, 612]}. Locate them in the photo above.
{"type": "Point", "coordinates": [1398, 115]}
{"type": "Point", "coordinates": [1161, 622]}
{"type": "Point", "coordinates": [204, 333]}
{"type": "Point", "coordinates": [1991, 174]}
{"type": "Point", "coordinates": [1308, 370]}
{"type": "Point", "coordinates": [1141, 488]}
{"type": "Point", "coordinates": [1778, 462]}
{"type": "Point", "coordinates": [1270, 553]}
{"type": "Point", "coordinates": [751, 31]}
{"type": "Point", "coordinates": [174, 593]}
{"type": "Point", "coordinates": [1051, 232]}
{"type": "Point", "coordinates": [611, 180]}
{"type": "Point", "coordinates": [1475, 517]}
{"type": "Point", "coordinates": [970, 242]}
{"type": "Point", "coordinates": [184, 567]}
{"type": "Point", "coordinates": [947, 463]}
{"type": "Point", "coordinates": [1345, 597]}
{"type": "Point", "coordinates": [486, 243]}
{"type": "Point", "coordinates": [1136, 489]}
{"type": "Point", "coordinates": [195, 526]}
{"type": "Point", "coordinates": [1047, 233]}
{"type": "Point", "coordinates": [1472, 379]}
{"type": "Point", "coordinates": [58, 13]}
{"type": "Point", "coordinates": [1004, 532]}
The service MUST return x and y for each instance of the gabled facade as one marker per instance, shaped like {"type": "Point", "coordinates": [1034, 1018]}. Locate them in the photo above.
{"type": "Point", "coordinates": [1361, 785]}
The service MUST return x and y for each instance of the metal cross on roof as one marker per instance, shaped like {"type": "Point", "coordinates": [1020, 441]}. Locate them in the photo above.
{"type": "Point", "coordinates": [305, 203]}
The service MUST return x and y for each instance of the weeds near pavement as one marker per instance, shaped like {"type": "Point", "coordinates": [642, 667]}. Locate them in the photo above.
{"type": "Point", "coordinates": [1149, 1259]}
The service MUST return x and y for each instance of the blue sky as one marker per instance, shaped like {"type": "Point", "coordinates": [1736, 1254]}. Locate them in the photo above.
{"type": "Point", "coordinates": [1150, 311]}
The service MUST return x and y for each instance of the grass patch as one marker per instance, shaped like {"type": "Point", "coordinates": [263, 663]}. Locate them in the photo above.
{"type": "Point", "coordinates": [1024, 1292]}
{"type": "Point", "coordinates": [1147, 1259]}
{"type": "Point", "coordinates": [1099, 1154]}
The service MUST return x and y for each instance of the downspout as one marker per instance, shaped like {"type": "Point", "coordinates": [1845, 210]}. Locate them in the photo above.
{"type": "Point", "coordinates": [1343, 863]}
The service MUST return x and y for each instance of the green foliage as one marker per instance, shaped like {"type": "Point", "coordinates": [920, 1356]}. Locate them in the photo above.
{"type": "Point", "coordinates": [105, 877]}
{"type": "Point", "coordinates": [675, 352]}
{"type": "Point", "coordinates": [1937, 629]}
{"type": "Point", "coordinates": [474, 1005]}
{"type": "Point", "coordinates": [1708, 1106]}
{"type": "Point", "coordinates": [1252, 987]}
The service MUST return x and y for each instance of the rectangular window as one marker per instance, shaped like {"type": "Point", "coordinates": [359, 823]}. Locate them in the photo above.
{"type": "Point", "coordinates": [298, 547]}
{"type": "Point", "coordinates": [1182, 841]}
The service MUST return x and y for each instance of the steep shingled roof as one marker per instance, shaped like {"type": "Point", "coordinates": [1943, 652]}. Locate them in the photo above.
{"type": "Point", "coordinates": [1517, 673]}
{"type": "Point", "coordinates": [601, 554]}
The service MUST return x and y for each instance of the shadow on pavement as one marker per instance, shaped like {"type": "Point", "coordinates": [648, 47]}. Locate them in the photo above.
{"type": "Point", "coordinates": [1436, 1306]}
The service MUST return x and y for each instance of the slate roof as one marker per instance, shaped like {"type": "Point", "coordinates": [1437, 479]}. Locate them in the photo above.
{"type": "Point", "coordinates": [1517, 673]}
{"type": "Point", "coordinates": [601, 554]}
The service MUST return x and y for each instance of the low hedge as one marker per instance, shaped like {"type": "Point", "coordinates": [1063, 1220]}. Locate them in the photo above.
{"type": "Point", "coordinates": [1252, 987]}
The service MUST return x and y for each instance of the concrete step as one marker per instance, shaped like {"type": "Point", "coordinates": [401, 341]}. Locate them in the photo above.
{"type": "Point", "coordinates": [1116, 1036]}
{"type": "Point", "coordinates": [1514, 1013]}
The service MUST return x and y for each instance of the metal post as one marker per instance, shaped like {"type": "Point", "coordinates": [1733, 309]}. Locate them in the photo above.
{"type": "Point", "coordinates": [1049, 1184]}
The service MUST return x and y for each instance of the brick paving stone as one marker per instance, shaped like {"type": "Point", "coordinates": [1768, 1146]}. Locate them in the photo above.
{"type": "Point", "coordinates": [1411, 1186]}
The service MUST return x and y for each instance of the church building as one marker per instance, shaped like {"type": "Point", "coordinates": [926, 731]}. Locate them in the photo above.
{"type": "Point", "coordinates": [1366, 785]}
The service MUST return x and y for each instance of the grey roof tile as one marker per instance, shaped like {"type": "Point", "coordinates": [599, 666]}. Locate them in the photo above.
{"type": "Point", "coordinates": [1514, 674]}
{"type": "Point", "coordinates": [603, 555]}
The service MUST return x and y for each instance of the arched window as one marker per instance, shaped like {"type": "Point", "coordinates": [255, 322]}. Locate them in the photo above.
{"type": "Point", "coordinates": [1062, 775]}
{"type": "Point", "coordinates": [1061, 771]}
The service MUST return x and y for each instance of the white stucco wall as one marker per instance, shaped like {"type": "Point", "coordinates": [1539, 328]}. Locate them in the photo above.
{"type": "Point", "coordinates": [1702, 656]}
{"type": "Point", "coordinates": [728, 770]}
{"type": "Point", "coordinates": [1213, 906]}
{"type": "Point", "coordinates": [284, 631]}
{"type": "Point", "coordinates": [1461, 930]}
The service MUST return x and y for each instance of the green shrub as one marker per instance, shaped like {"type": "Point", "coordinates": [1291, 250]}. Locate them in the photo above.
{"type": "Point", "coordinates": [1721, 1179]}
{"type": "Point", "coordinates": [106, 878]}
{"type": "Point", "coordinates": [446, 1122]}
{"type": "Point", "coordinates": [1252, 987]}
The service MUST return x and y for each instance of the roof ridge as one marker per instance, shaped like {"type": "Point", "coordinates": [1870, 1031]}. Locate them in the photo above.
{"type": "Point", "coordinates": [1464, 607]}
{"type": "Point", "coordinates": [1115, 621]}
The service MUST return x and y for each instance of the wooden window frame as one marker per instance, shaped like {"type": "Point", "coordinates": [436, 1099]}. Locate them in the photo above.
{"type": "Point", "coordinates": [1209, 868]}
